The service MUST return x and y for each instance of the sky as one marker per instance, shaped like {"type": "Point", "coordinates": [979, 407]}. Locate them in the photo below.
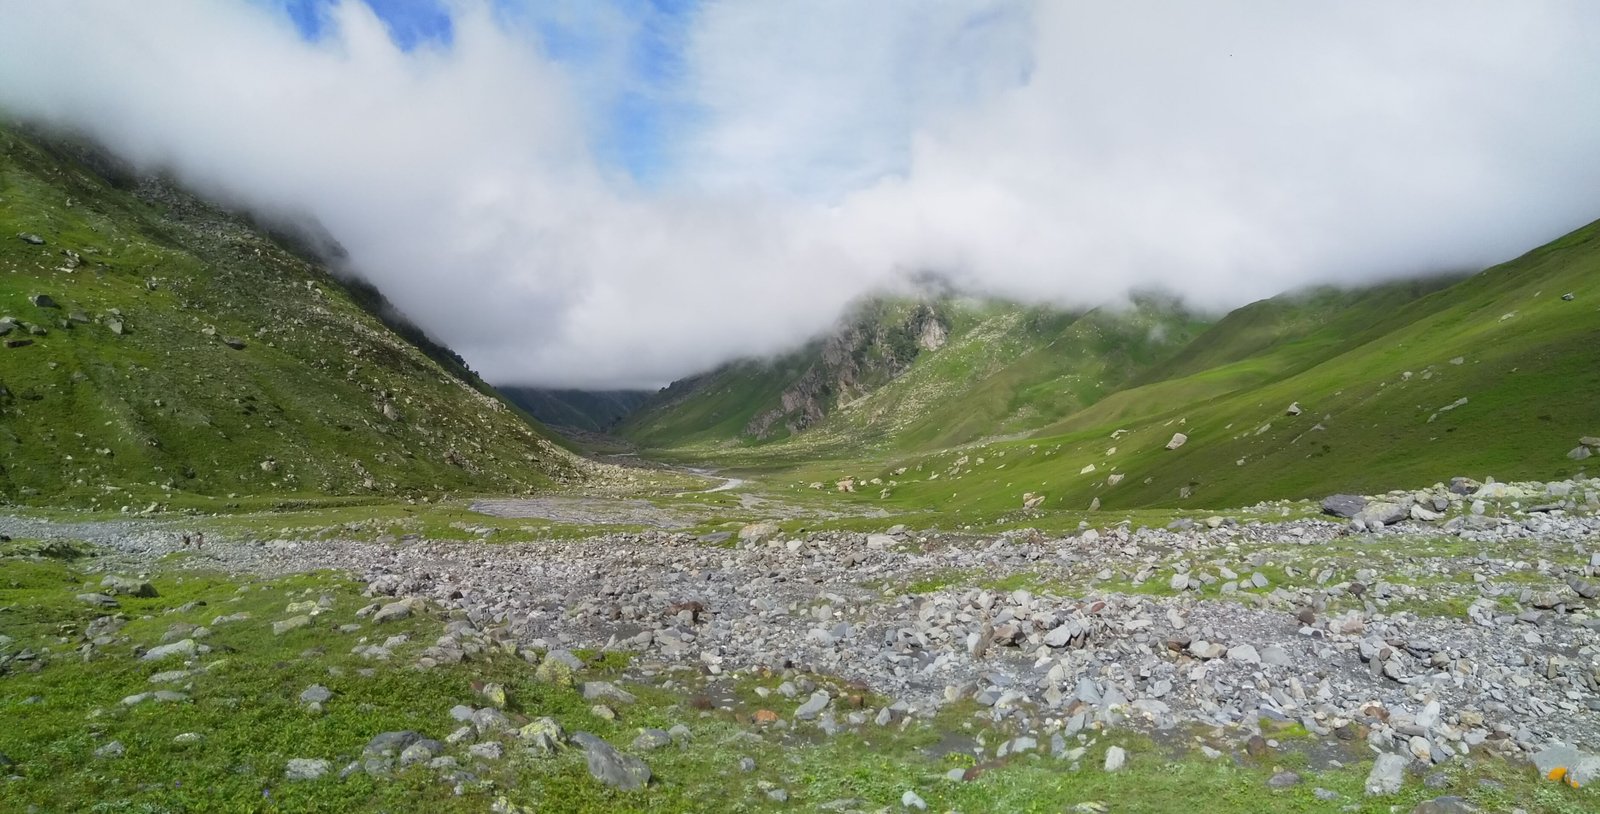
{"type": "Point", "coordinates": [618, 193]}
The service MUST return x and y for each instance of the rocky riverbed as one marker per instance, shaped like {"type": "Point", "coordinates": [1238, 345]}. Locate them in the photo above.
{"type": "Point", "coordinates": [1421, 624]}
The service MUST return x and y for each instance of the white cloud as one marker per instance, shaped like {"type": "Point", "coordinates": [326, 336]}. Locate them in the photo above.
{"type": "Point", "coordinates": [1052, 151]}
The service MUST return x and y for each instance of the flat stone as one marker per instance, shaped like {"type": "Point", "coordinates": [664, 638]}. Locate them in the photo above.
{"type": "Point", "coordinates": [302, 768]}
{"type": "Point", "coordinates": [813, 706]}
{"type": "Point", "coordinates": [186, 648]}
{"type": "Point", "coordinates": [292, 623]}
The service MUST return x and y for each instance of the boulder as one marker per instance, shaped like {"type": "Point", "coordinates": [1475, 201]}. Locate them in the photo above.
{"type": "Point", "coordinates": [1346, 506]}
{"type": "Point", "coordinates": [302, 768]}
{"type": "Point", "coordinates": [30, 238]}
{"type": "Point", "coordinates": [1178, 440]}
{"type": "Point", "coordinates": [1387, 776]}
{"type": "Point", "coordinates": [127, 586]}
{"type": "Point", "coordinates": [1382, 513]}
{"type": "Point", "coordinates": [1568, 765]}
{"type": "Point", "coordinates": [43, 301]}
{"type": "Point", "coordinates": [610, 767]}
{"type": "Point", "coordinates": [1445, 805]}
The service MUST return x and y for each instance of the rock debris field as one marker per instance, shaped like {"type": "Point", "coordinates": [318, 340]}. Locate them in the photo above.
{"type": "Point", "coordinates": [1422, 624]}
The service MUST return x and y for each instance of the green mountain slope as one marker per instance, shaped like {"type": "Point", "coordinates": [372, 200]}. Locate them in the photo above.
{"type": "Point", "coordinates": [902, 374]}
{"type": "Point", "coordinates": [1405, 382]}
{"type": "Point", "coordinates": [1497, 375]}
{"type": "Point", "coordinates": [183, 351]}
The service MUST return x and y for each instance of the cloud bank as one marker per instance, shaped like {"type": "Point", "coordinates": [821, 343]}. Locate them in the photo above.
{"type": "Point", "coordinates": [1052, 151]}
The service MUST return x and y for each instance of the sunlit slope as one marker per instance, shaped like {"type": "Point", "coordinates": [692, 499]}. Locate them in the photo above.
{"type": "Point", "coordinates": [1495, 375]}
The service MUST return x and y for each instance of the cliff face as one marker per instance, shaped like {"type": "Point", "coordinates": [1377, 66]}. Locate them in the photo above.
{"type": "Point", "coordinates": [869, 350]}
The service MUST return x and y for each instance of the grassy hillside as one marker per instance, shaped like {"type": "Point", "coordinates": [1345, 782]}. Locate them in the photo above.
{"type": "Point", "coordinates": [1412, 382]}
{"type": "Point", "coordinates": [999, 368]}
{"type": "Point", "coordinates": [182, 351]}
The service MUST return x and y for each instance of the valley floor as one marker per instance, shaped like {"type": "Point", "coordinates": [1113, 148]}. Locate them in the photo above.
{"type": "Point", "coordinates": [384, 658]}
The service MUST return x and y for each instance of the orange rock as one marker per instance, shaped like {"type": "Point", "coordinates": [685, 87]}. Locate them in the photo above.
{"type": "Point", "coordinates": [766, 716]}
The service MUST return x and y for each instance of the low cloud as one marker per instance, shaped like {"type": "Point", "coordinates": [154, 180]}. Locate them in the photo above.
{"type": "Point", "coordinates": [1058, 152]}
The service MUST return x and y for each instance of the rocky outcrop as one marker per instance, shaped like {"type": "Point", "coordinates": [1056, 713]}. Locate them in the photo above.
{"type": "Point", "coordinates": [865, 353]}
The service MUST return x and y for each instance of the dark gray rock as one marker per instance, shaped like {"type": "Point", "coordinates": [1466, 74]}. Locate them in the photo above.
{"type": "Point", "coordinates": [390, 744]}
{"type": "Point", "coordinates": [30, 238]}
{"type": "Point", "coordinates": [43, 301]}
{"type": "Point", "coordinates": [1346, 506]}
{"type": "Point", "coordinates": [607, 765]}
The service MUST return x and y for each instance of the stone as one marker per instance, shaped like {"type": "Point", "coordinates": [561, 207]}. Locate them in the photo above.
{"type": "Point", "coordinates": [114, 749]}
{"type": "Point", "coordinates": [1387, 775]}
{"type": "Point", "coordinates": [491, 750]}
{"type": "Point", "coordinates": [542, 736]}
{"type": "Point", "coordinates": [1283, 780]}
{"type": "Point", "coordinates": [1116, 758]}
{"type": "Point", "coordinates": [495, 695]}
{"type": "Point", "coordinates": [606, 691]}
{"type": "Point", "coordinates": [1244, 653]}
{"type": "Point", "coordinates": [316, 694]}
{"type": "Point", "coordinates": [292, 623]}
{"type": "Point", "coordinates": [1445, 805]}
{"type": "Point", "coordinates": [390, 744]}
{"type": "Point", "coordinates": [43, 301]}
{"type": "Point", "coordinates": [558, 667]}
{"type": "Point", "coordinates": [100, 600]}
{"type": "Point", "coordinates": [1568, 765]}
{"type": "Point", "coordinates": [394, 611]}
{"type": "Point", "coordinates": [813, 706]}
{"type": "Point", "coordinates": [652, 739]}
{"type": "Point", "coordinates": [302, 768]}
{"type": "Point", "coordinates": [1294, 409]}
{"type": "Point", "coordinates": [127, 586]}
{"type": "Point", "coordinates": [421, 751]}
{"type": "Point", "coordinates": [186, 648]}
{"type": "Point", "coordinates": [912, 801]}
{"type": "Point", "coordinates": [1382, 513]}
{"type": "Point", "coordinates": [233, 342]}
{"type": "Point", "coordinates": [610, 767]}
{"type": "Point", "coordinates": [756, 532]}
{"type": "Point", "coordinates": [1178, 440]}
{"type": "Point", "coordinates": [30, 238]}
{"type": "Point", "coordinates": [1346, 506]}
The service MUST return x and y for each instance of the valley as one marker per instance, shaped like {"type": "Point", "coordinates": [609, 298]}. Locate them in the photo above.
{"type": "Point", "coordinates": [266, 545]}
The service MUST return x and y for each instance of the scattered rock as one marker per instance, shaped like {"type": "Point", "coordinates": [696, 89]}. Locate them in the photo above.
{"type": "Point", "coordinates": [301, 768]}
{"type": "Point", "coordinates": [127, 586]}
{"type": "Point", "coordinates": [1178, 440]}
{"type": "Point", "coordinates": [1387, 775]}
{"type": "Point", "coordinates": [610, 767]}
{"type": "Point", "coordinates": [1116, 758]}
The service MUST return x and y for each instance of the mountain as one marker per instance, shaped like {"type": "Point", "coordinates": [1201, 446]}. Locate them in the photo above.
{"type": "Point", "coordinates": [1496, 373]}
{"type": "Point", "coordinates": [156, 346]}
{"type": "Point", "coordinates": [583, 410]}
{"type": "Point", "coordinates": [917, 373]}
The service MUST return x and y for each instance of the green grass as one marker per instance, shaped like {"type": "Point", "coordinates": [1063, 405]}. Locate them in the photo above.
{"type": "Point", "coordinates": [1372, 370]}
{"type": "Point", "coordinates": [166, 411]}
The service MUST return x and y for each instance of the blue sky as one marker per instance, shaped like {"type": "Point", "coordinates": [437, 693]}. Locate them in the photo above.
{"type": "Point", "coordinates": [633, 120]}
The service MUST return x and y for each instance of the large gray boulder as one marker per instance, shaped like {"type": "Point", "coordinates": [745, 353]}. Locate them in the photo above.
{"type": "Point", "coordinates": [607, 765]}
{"type": "Point", "coordinates": [1346, 506]}
{"type": "Point", "coordinates": [1387, 776]}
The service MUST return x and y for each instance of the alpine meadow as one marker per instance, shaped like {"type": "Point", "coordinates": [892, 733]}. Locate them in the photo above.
{"type": "Point", "coordinates": [711, 405]}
